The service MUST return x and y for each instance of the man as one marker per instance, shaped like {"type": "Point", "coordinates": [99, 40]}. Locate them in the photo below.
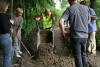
{"type": "Point", "coordinates": [47, 18]}
{"type": "Point", "coordinates": [91, 43]}
{"type": "Point", "coordinates": [78, 15]}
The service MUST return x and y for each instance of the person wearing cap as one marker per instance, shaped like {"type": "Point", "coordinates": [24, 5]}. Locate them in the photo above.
{"type": "Point", "coordinates": [47, 19]}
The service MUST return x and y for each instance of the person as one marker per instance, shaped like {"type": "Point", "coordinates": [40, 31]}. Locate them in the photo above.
{"type": "Point", "coordinates": [91, 43]}
{"type": "Point", "coordinates": [79, 17]}
{"type": "Point", "coordinates": [47, 17]}
{"type": "Point", "coordinates": [18, 21]}
{"type": "Point", "coordinates": [5, 30]}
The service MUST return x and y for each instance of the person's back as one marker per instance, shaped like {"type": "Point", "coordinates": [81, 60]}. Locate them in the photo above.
{"type": "Point", "coordinates": [78, 20]}
{"type": "Point", "coordinates": [78, 15]}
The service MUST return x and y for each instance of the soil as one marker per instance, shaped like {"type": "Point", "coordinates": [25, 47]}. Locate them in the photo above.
{"type": "Point", "coordinates": [45, 56]}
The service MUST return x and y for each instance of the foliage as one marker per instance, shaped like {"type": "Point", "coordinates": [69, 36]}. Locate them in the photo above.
{"type": "Point", "coordinates": [33, 8]}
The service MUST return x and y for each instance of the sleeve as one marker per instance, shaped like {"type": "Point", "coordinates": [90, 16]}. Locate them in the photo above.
{"type": "Point", "coordinates": [6, 25]}
{"type": "Point", "coordinates": [40, 15]}
{"type": "Point", "coordinates": [92, 12]}
{"type": "Point", "coordinates": [65, 15]}
{"type": "Point", "coordinates": [21, 23]}
{"type": "Point", "coordinates": [52, 15]}
{"type": "Point", "coordinates": [89, 16]}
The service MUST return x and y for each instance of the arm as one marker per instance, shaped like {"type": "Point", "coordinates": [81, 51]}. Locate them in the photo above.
{"type": "Point", "coordinates": [53, 17]}
{"type": "Point", "coordinates": [19, 27]}
{"type": "Point", "coordinates": [94, 17]}
{"type": "Point", "coordinates": [64, 17]}
{"type": "Point", "coordinates": [20, 23]}
{"type": "Point", "coordinates": [61, 25]}
{"type": "Point", "coordinates": [93, 14]}
{"type": "Point", "coordinates": [39, 17]}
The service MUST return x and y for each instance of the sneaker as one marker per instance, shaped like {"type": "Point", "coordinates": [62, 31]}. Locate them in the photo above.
{"type": "Point", "coordinates": [20, 52]}
{"type": "Point", "coordinates": [17, 55]}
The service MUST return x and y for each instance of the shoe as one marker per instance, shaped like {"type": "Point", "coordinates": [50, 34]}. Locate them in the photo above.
{"type": "Point", "coordinates": [17, 55]}
{"type": "Point", "coordinates": [20, 52]}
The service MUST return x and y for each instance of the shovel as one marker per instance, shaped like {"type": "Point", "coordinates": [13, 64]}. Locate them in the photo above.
{"type": "Point", "coordinates": [23, 45]}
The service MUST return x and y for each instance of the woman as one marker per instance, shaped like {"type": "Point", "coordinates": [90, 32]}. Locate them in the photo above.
{"type": "Point", "coordinates": [18, 20]}
{"type": "Point", "coordinates": [5, 30]}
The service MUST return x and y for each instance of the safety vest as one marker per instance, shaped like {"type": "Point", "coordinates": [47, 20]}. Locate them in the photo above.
{"type": "Point", "coordinates": [47, 21]}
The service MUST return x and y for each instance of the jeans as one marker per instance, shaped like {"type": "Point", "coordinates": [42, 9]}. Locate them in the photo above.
{"type": "Point", "coordinates": [6, 41]}
{"type": "Point", "coordinates": [79, 51]}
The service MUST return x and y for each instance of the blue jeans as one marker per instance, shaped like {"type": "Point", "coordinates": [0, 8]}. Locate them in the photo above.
{"type": "Point", "coordinates": [6, 41]}
{"type": "Point", "coordinates": [79, 51]}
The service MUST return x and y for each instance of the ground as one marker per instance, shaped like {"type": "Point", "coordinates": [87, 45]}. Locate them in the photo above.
{"type": "Point", "coordinates": [45, 56]}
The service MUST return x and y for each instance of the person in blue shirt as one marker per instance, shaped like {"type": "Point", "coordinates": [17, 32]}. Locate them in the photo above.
{"type": "Point", "coordinates": [91, 42]}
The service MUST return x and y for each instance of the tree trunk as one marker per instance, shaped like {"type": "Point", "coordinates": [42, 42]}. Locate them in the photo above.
{"type": "Point", "coordinates": [92, 4]}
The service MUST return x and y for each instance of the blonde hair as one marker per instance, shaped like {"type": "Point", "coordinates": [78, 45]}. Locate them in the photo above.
{"type": "Point", "coordinates": [3, 4]}
{"type": "Point", "coordinates": [19, 10]}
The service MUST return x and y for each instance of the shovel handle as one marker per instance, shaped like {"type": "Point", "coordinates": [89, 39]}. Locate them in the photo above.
{"type": "Point", "coordinates": [37, 25]}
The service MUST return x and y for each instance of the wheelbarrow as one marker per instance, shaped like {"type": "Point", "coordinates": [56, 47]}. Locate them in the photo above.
{"type": "Point", "coordinates": [45, 36]}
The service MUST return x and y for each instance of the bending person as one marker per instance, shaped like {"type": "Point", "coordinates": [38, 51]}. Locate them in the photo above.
{"type": "Point", "coordinates": [18, 21]}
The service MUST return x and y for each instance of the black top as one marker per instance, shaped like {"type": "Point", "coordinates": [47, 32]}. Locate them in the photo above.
{"type": "Point", "coordinates": [5, 25]}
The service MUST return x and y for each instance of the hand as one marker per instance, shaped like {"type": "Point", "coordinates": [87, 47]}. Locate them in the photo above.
{"type": "Point", "coordinates": [17, 34]}
{"type": "Point", "coordinates": [38, 18]}
{"type": "Point", "coordinates": [65, 34]}
{"type": "Point", "coordinates": [11, 30]}
{"type": "Point", "coordinates": [12, 21]}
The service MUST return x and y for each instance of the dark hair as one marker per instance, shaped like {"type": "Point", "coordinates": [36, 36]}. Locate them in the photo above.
{"type": "Point", "coordinates": [3, 4]}
{"type": "Point", "coordinates": [84, 3]}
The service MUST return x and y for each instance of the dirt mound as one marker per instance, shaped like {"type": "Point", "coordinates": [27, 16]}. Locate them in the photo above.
{"type": "Point", "coordinates": [45, 57]}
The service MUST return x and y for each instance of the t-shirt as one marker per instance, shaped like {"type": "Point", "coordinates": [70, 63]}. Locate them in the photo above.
{"type": "Point", "coordinates": [78, 15]}
{"type": "Point", "coordinates": [18, 24]}
{"type": "Point", "coordinates": [92, 26]}
{"type": "Point", "coordinates": [5, 25]}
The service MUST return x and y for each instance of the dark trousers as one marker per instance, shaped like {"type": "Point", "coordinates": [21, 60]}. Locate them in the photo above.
{"type": "Point", "coordinates": [79, 51]}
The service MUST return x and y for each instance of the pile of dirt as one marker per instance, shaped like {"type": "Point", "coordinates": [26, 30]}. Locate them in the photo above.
{"type": "Point", "coordinates": [44, 56]}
